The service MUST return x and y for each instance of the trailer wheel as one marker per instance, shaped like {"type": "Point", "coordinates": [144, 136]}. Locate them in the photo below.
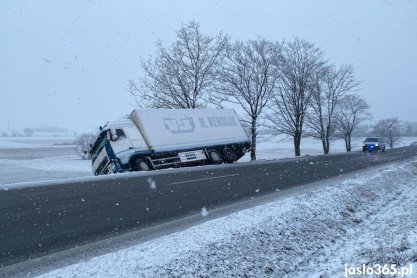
{"type": "Point", "coordinates": [142, 165]}
{"type": "Point", "coordinates": [229, 156]}
{"type": "Point", "coordinates": [214, 157]}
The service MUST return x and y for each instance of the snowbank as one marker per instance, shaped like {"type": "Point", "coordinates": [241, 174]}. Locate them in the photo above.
{"type": "Point", "coordinates": [368, 219]}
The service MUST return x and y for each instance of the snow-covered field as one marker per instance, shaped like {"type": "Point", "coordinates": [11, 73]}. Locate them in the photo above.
{"type": "Point", "coordinates": [37, 159]}
{"type": "Point", "coordinates": [34, 142]}
{"type": "Point", "coordinates": [281, 146]}
{"type": "Point", "coordinates": [368, 219]}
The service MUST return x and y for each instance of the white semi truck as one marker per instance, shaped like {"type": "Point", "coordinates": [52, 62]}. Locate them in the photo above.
{"type": "Point", "coordinates": [151, 139]}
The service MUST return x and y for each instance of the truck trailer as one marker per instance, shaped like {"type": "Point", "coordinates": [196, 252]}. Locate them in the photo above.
{"type": "Point", "coordinates": [150, 139]}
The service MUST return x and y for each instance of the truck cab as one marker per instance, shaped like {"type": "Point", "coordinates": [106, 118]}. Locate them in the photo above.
{"type": "Point", "coordinates": [113, 149]}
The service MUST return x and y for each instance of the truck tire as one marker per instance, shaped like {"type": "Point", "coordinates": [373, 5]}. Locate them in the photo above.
{"type": "Point", "coordinates": [142, 165]}
{"type": "Point", "coordinates": [214, 157]}
{"type": "Point", "coordinates": [229, 155]}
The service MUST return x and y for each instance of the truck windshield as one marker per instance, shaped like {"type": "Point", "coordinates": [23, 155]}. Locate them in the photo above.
{"type": "Point", "coordinates": [98, 144]}
{"type": "Point", "coordinates": [371, 140]}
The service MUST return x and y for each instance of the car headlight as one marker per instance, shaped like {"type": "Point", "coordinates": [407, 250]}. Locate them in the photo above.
{"type": "Point", "coordinates": [376, 145]}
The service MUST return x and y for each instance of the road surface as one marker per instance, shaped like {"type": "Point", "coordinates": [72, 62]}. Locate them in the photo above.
{"type": "Point", "coordinates": [40, 218]}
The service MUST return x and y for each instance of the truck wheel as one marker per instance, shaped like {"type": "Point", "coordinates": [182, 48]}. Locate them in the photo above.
{"type": "Point", "coordinates": [229, 156]}
{"type": "Point", "coordinates": [142, 165]}
{"type": "Point", "coordinates": [214, 157]}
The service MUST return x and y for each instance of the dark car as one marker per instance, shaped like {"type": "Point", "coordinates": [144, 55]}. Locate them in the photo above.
{"type": "Point", "coordinates": [373, 144]}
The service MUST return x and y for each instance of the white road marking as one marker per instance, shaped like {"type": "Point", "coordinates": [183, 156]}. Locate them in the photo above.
{"type": "Point", "coordinates": [322, 162]}
{"type": "Point", "coordinates": [205, 179]}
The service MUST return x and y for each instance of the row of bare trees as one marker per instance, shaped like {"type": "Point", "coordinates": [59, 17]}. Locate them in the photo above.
{"type": "Point", "coordinates": [286, 86]}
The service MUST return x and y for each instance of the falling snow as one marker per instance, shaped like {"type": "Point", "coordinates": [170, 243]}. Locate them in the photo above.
{"type": "Point", "coordinates": [152, 183]}
{"type": "Point", "coordinates": [204, 212]}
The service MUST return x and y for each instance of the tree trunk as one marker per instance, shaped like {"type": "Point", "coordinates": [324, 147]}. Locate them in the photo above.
{"type": "Point", "coordinates": [253, 141]}
{"type": "Point", "coordinates": [391, 141]}
{"type": "Point", "coordinates": [345, 138]}
{"type": "Point", "coordinates": [297, 143]}
{"type": "Point", "coordinates": [349, 143]}
{"type": "Point", "coordinates": [326, 145]}
{"type": "Point", "coordinates": [326, 140]}
{"type": "Point", "coordinates": [323, 142]}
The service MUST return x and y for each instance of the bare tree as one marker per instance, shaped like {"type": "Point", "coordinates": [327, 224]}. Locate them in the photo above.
{"type": "Point", "coordinates": [182, 75]}
{"type": "Point", "coordinates": [329, 85]}
{"type": "Point", "coordinates": [83, 142]}
{"type": "Point", "coordinates": [248, 78]}
{"type": "Point", "coordinates": [289, 103]}
{"type": "Point", "coordinates": [351, 112]}
{"type": "Point", "coordinates": [389, 128]}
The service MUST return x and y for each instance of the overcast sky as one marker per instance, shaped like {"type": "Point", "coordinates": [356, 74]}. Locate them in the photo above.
{"type": "Point", "coordinates": [67, 63]}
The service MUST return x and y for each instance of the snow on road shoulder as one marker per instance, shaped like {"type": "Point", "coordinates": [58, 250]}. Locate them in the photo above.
{"type": "Point", "coordinates": [367, 219]}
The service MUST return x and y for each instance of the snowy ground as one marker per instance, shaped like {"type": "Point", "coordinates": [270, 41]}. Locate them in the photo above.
{"type": "Point", "coordinates": [370, 218]}
{"type": "Point", "coordinates": [25, 159]}
{"type": "Point", "coordinates": [34, 142]}
{"type": "Point", "coordinates": [282, 146]}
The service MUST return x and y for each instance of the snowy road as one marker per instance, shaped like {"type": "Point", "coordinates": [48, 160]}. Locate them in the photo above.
{"type": "Point", "coordinates": [41, 218]}
{"type": "Point", "coordinates": [367, 218]}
